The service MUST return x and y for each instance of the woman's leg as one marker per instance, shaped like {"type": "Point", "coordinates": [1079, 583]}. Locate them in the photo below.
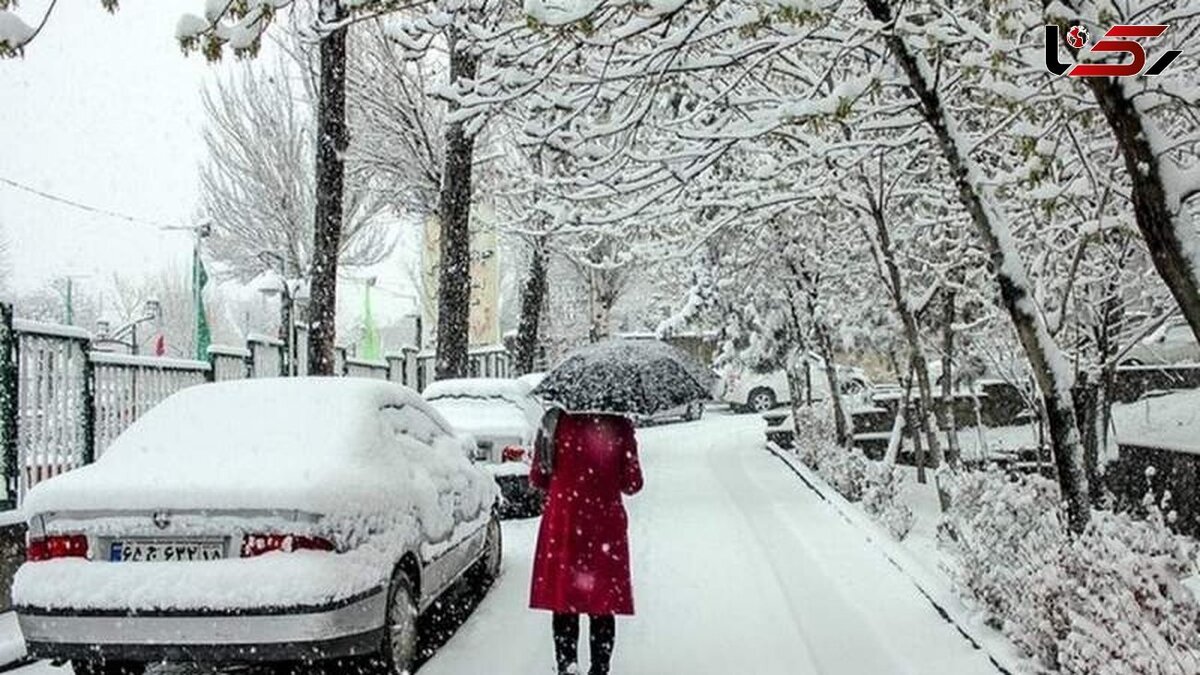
{"type": "Point", "coordinates": [603, 631]}
{"type": "Point", "coordinates": [566, 642]}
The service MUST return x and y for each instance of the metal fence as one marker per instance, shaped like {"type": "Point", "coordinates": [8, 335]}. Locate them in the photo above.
{"type": "Point", "coordinates": [50, 427]}
{"type": "Point", "coordinates": [62, 403]}
{"type": "Point", "coordinates": [127, 386]}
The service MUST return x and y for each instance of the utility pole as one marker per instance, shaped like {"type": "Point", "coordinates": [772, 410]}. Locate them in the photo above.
{"type": "Point", "coordinates": [70, 302]}
{"type": "Point", "coordinates": [200, 231]}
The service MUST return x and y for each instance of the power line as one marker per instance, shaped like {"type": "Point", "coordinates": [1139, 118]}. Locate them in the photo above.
{"type": "Point", "coordinates": [83, 207]}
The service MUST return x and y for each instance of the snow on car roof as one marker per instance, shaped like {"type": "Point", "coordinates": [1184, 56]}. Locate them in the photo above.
{"type": "Point", "coordinates": [484, 417]}
{"type": "Point", "coordinates": [269, 443]}
{"type": "Point", "coordinates": [275, 415]}
{"type": "Point", "coordinates": [532, 380]}
{"type": "Point", "coordinates": [478, 387]}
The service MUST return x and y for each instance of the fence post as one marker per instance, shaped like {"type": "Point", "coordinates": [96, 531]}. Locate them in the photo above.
{"type": "Point", "coordinates": [249, 359]}
{"type": "Point", "coordinates": [8, 402]}
{"type": "Point", "coordinates": [211, 375]}
{"type": "Point", "coordinates": [410, 367]}
{"type": "Point", "coordinates": [89, 405]}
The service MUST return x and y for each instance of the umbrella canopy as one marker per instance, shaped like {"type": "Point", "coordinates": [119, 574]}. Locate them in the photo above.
{"type": "Point", "coordinates": [639, 377]}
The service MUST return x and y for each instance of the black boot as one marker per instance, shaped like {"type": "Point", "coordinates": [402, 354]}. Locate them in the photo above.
{"type": "Point", "coordinates": [566, 643]}
{"type": "Point", "coordinates": [603, 634]}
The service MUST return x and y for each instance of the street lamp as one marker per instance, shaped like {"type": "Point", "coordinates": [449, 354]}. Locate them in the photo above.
{"type": "Point", "coordinates": [104, 333]}
{"type": "Point", "coordinates": [287, 306]}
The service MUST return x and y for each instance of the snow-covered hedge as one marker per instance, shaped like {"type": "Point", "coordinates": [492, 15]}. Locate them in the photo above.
{"type": "Point", "coordinates": [1108, 601]}
{"type": "Point", "coordinates": [876, 486]}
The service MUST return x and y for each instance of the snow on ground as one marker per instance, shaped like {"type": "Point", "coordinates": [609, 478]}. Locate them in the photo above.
{"type": "Point", "coordinates": [12, 645]}
{"type": "Point", "coordinates": [1169, 421]}
{"type": "Point", "coordinates": [738, 568]}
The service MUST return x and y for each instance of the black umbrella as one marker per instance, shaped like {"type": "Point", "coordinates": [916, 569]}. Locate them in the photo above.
{"type": "Point", "coordinates": [639, 377]}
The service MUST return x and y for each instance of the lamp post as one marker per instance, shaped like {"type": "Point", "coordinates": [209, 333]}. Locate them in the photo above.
{"type": "Point", "coordinates": [287, 305]}
{"type": "Point", "coordinates": [105, 334]}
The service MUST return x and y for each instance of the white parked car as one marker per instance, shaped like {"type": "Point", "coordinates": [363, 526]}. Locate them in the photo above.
{"type": "Point", "coordinates": [257, 521]}
{"type": "Point", "coordinates": [1172, 343]}
{"type": "Point", "coordinates": [744, 389]}
{"type": "Point", "coordinates": [503, 418]}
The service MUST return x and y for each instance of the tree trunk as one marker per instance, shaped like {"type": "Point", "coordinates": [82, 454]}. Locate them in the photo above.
{"type": "Point", "coordinates": [533, 298]}
{"type": "Point", "coordinates": [1166, 245]}
{"type": "Point", "coordinates": [918, 451]}
{"type": "Point", "coordinates": [825, 344]}
{"type": "Point", "coordinates": [912, 335]}
{"type": "Point", "coordinates": [896, 440]}
{"type": "Point", "coordinates": [1044, 356]}
{"type": "Point", "coordinates": [948, 418]}
{"type": "Point", "coordinates": [332, 140]}
{"type": "Point", "coordinates": [603, 297]}
{"type": "Point", "coordinates": [454, 209]}
{"type": "Point", "coordinates": [1087, 402]}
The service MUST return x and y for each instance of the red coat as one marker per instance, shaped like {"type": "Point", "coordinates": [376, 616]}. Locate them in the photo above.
{"type": "Point", "coordinates": [582, 560]}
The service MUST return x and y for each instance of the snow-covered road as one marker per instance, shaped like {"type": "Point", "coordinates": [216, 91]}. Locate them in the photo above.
{"type": "Point", "coordinates": [739, 569]}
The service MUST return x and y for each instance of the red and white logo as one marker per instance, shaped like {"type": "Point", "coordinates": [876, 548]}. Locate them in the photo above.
{"type": "Point", "coordinates": [1120, 39]}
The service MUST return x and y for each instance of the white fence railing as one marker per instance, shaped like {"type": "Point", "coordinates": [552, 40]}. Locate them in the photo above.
{"type": "Point", "coordinates": [62, 403]}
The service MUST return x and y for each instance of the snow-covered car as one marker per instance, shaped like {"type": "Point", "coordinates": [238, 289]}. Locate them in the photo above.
{"type": "Point", "coordinates": [689, 412]}
{"type": "Point", "coordinates": [503, 418]}
{"type": "Point", "coordinates": [1172, 343]}
{"type": "Point", "coordinates": [532, 380]}
{"type": "Point", "coordinates": [744, 389]}
{"type": "Point", "coordinates": [258, 521]}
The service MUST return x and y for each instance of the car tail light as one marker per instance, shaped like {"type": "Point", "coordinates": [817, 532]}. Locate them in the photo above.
{"type": "Point", "coordinates": [513, 453]}
{"type": "Point", "coordinates": [57, 546]}
{"type": "Point", "coordinates": [259, 544]}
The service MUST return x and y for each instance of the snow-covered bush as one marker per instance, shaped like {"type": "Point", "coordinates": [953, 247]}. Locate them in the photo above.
{"type": "Point", "coordinates": [881, 498]}
{"type": "Point", "coordinates": [845, 470]}
{"type": "Point", "coordinates": [1107, 601]}
{"type": "Point", "coordinates": [875, 485]}
{"type": "Point", "coordinates": [813, 424]}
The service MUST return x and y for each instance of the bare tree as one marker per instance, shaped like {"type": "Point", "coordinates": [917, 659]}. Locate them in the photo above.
{"type": "Point", "coordinates": [397, 146]}
{"type": "Point", "coordinates": [259, 184]}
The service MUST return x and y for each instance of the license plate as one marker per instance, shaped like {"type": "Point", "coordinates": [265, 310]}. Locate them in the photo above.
{"type": "Point", "coordinates": [166, 551]}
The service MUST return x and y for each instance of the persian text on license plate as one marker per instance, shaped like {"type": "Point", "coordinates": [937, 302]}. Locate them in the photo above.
{"type": "Point", "coordinates": [166, 551]}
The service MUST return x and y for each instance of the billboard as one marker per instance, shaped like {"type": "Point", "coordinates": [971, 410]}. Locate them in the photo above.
{"type": "Point", "coordinates": [485, 278]}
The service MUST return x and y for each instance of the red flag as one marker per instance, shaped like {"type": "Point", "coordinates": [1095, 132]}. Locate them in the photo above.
{"type": "Point", "coordinates": [160, 345]}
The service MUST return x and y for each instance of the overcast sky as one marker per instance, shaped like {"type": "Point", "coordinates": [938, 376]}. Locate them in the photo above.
{"type": "Point", "coordinates": [106, 110]}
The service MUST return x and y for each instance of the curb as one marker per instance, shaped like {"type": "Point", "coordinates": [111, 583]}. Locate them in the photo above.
{"type": "Point", "coordinates": [883, 542]}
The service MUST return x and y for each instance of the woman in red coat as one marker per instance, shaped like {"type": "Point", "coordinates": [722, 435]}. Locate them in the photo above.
{"type": "Point", "coordinates": [582, 560]}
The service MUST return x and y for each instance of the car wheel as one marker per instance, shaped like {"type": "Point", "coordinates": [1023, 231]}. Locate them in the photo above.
{"type": "Point", "coordinates": [856, 387]}
{"type": "Point", "coordinates": [1132, 362]}
{"type": "Point", "coordinates": [761, 400]}
{"type": "Point", "coordinates": [493, 553]}
{"type": "Point", "coordinates": [400, 632]}
{"type": "Point", "coordinates": [108, 668]}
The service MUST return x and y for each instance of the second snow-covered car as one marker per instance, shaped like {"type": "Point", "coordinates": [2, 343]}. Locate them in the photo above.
{"type": "Point", "coordinates": [746, 390]}
{"type": "Point", "coordinates": [1173, 343]}
{"type": "Point", "coordinates": [503, 418]}
{"type": "Point", "coordinates": [264, 520]}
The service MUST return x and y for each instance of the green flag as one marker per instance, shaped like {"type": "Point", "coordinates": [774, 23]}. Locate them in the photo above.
{"type": "Point", "coordinates": [199, 281]}
{"type": "Point", "coordinates": [370, 341]}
